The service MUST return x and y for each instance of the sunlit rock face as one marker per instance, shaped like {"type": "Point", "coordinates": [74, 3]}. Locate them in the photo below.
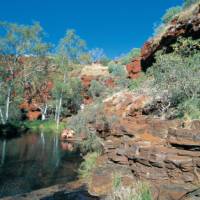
{"type": "Point", "coordinates": [134, 68]}
{"type": "Point", "coordinates": [187, 24]}
{"type": "Point", "coordinates": [33, 102]}
{"type": "Point", "coordinates": [67, 134]}
{"type": "Point", "coordinates": [163, 152]}
{"type": "Point", "coordinates": [93, 72]}
{"type": "Point", "coordinates": [96, 72]}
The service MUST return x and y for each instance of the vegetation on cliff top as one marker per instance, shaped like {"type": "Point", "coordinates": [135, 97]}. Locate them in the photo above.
{"type": "Point", "coordinates": [23, 77]}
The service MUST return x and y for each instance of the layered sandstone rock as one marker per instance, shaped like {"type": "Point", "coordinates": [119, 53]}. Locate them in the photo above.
{"type": "Point", "coordinates": [163, 152]}
{"type": "Point", "coordinates": [96, 72]}
{"type": "Point", "coordinates": [93, 72]}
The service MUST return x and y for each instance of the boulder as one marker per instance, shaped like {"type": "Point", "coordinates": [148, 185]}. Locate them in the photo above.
{"type": "Point", "coordinates": [67, 134]}
{"type": "Point", "coordinates": [134, 68]}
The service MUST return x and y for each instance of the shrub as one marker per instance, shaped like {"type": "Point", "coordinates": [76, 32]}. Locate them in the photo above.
{"type": "Point", "coordinates": [104, 61]}
{"type": "Point", "coordinates": [136, 83]}
{"type": "Point", "coordinates": [176, 76]}
{"type": "Point", "coordinates": [96, 89]}
{"type": "Point", "coordinates": [158, 29]}
{"type": "Point", "coordinates": [92, 144]}
{"type": "Point", "coordinates": [117, 181]}
{"type": "Point", "coordinates": [116, 69]}
{"type": "Point", "coordinates": [120, 74]}
{"type": "Point", "coordinates": [85, 122]}
{"type": "Point", "coordinates": [176, 81]}
{"type": "Point", "coordinates": [88, 165]}
{"type": "Point", "coordinates": [188, 3]}
{"type": "Point", "coordinates": [171, 13]}
{"type": "Point", "coordinates": [73, 97]}
{"type": "Point", "coordinates": [190, 109]}
{"type": "Point", "coordinates": [139, 192]}
{"type": "Point", "coordinates": [125, 59]}
{"type": "Point", "coordinates": [186, 46]}
{"type": "Point", "coordinates": [44, 126]}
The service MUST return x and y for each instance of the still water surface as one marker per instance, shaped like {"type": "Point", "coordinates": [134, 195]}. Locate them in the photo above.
{"type": "Point", "coordinates": [35, 161]}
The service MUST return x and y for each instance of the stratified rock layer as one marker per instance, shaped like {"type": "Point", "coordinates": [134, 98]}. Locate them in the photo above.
{"type": "Point", "coordinates": [163, 152]}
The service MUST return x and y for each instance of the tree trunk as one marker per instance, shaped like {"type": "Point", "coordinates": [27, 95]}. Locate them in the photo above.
{"type": "Point", "coordinates": [8, 102]}
{"type": "Point", "coordinates": [60, 102]}
{"type": "Point", "coordinates": [59, 112]}
{"type": "Point", "coordinates": [44, 111]}
{"type": "Point", "coordinates": [2, 118]}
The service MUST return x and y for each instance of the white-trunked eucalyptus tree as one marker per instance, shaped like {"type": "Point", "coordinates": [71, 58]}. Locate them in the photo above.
{"type": "Point", "coordinates": [18, 41]}
{"type": "Point", "coordinates": [70, 52]}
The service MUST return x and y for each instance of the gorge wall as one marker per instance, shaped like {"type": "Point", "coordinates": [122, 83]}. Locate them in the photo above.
{"type": "Point", "coordinates": [165, 153]}
{"type": "Point", "coordinates": [187, 24]}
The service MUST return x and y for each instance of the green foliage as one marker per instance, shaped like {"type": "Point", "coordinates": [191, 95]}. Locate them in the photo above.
{"type": "Point", "coordinates": [72, 97]}
{"type": "Point", "coordinates": [23, 39]}
{"type": "Point", "coordinates": [97, 54]}
{"type": "Point", "coordinates": [16, 42]}
{"type": "Point", "coordinates": [92, 144]}
{"type": "Point", "coordinates": [188, 3]}
{"type": "Point", "coordinates": [96, 89]}
{"type": "Point", "coordinates": [144, 191]}
{"type": "Point", "coordinates": [88, 165]}
{"type": "Point", "coordinates": [67, 91]}
{"type": "Point", "coordinates": [80, 124]}
{"type": "Point", "coordinates": [85, 59]}
{"type": "Point", "coordinates": [186, 46]}
{"type": "Point", "coordinates": [171, 13]}
{"type": "Point", "coordinates": [45, 126]}
{"type": "Point", "coordinates": [140, 191]}
{"type": "Point", "coordinates": [119, 73]}
{"type": "Point", "coordinates": [71, 47]}
{"type": "Point", "coordinates": [176, 78]}
{"type": "Point", "coordinates": [117, 181]}
{"type": "Point", "coordinates": [190, 109]}
{"type": "Point", "coordinates": [125, 59]}
{"type": "Point", "coordinates": [117, 70]}
{"type": "Point", "coordinates": [104, 61]}
{"type": "Point", "coordinates": [158, 29]}
{"type": "Point", "coordinates": [83, 123]}
{"type": "Point", "coordinates": [137, 83]}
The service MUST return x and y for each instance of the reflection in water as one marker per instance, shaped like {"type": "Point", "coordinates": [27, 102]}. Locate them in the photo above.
{"type": "Point", "coordinates": [67, 146]}
{"type": "Point", "coordinates": [35, 161]}
{"type": "Point", "coordinates": [3, 152]}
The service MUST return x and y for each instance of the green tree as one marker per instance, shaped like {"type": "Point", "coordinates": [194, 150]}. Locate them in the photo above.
{"type": "Point", "coordinates": [17, 42]}
{"type": "Point", "coordinates": [69, 52]}
{"type": "Point", "coordinates": [96, 89]}
{"type": "Point", "coordinates": [125, 59]}
{"type": "Point", "coordinates": [171, 13]}
{"type": "Point", "coordinates": [176, 82]}
{"type": "Point", "coordinates": [97, 54]}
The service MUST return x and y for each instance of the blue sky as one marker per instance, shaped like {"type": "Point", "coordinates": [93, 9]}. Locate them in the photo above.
{"type": "Point", "coordinates": [114, 25]}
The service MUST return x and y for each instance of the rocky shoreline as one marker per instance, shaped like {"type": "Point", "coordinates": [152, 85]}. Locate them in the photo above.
{"type": "Point", "coordinates": [165, 153]}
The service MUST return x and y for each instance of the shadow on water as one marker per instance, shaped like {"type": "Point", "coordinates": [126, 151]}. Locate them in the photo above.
{"type": "Point", "coordinates": [36, 161]}
{"type": "Point", "coordinates": [77, 195]}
